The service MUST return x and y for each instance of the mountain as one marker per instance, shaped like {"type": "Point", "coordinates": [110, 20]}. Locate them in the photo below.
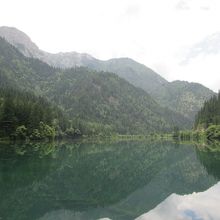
{"type": "Point", "coordinates": [95, 102]}
{"type": "Point", "coordinates": [180, 96]}
{"type": "Point", "coordinates": [184, 97]}
{"type": "Point", "coordinates": [29, 49]}
{"type": "Point", "coordinates": [132, 71]}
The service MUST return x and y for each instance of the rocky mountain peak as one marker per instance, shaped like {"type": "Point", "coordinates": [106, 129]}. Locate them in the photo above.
{"type": "Point", "coordinates": [20, 40]}
{"type": "Point", "coordinates": [29, 49]}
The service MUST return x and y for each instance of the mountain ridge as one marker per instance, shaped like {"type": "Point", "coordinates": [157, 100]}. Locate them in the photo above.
{"type": "Point", "coordinates": [179, 96]}
{"type": "Point", "coordinates": [95, 102]}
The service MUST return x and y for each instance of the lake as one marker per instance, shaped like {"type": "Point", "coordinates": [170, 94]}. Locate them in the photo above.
{"type": "Point", "coordinates": [122, 180]}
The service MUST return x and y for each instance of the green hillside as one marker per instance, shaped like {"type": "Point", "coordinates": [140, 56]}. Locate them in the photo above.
{"type": "Point", "coordinates": [208, 118]}
{"type": "Point", "coordinates": [22, 115]}
{"type": "Point", "coordinates": [209, 113]}
{"type": "Point", "coordinates": [179, 96]}
{"type": "Point", "coordinates": [95, 102]}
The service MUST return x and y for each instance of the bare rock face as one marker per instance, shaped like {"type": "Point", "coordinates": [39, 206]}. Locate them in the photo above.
{"type": "Point", "coordinates": [20, 40]}
{"type": "Point", "coordinates": [29, 49]}
{"type": "Point", "coordinates": [67, 60]}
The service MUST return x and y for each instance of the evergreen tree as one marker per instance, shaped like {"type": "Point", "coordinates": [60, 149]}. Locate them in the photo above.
{"type": "Point", "coordinates": [209, 113]}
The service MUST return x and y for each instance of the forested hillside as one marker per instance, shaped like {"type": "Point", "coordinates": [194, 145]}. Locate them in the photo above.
{"type": "Point", "coordinates": [179, 96]}
{"type": "Point", "coordinates": [210, 113]}
{"type": "Point", "coordinates": [209, 117]}
{"type": "Point", "coordinates": [22, 115]}
{"type": "Point", "coordinates": [94, 102]}
{"type": "Point", "coordinates": [185, 98]}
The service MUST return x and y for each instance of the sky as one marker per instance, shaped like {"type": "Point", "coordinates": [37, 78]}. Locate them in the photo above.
{"type": "Point", "coordinates": [179, 39]}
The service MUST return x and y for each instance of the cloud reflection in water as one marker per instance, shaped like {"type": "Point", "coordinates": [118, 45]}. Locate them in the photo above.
{"type": "Point", "coordinates": [196, 206]}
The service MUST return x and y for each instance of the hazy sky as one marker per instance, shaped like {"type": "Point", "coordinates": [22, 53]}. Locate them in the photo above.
{"type": "Point", "coordinates": [180, 39]}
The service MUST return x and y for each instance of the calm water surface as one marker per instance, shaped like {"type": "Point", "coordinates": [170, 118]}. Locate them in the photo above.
{"type": "Point", "coordinates": [124, 180]}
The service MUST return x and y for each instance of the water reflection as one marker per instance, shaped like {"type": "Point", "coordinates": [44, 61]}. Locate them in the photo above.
{"type": "Point", "coordinates": [209, 156]}
{"type": "Point", "coordinates": [197, 206]}
{"type": "Point", "coordinates": [91, 181]}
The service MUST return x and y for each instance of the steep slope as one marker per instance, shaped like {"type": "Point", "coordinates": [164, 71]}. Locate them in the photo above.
{"type": "Point", "coordinates": [209, 114]}
{"type": "Point", "coordinates": [182, 97]}
{"type": "Point", "coordinates": [21, 41]}
{"type": "Point", "coordinates": [23, 114]}
{"type": "Point", "coordinates": [134, 72]}
{"type": "Point", "coordinates": [29, 49]}
{"type": "Point", "coordinates": [95, 101]}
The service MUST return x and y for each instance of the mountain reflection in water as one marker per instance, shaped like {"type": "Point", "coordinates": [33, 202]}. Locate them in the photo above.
{"type": "Point", "coordinates": [90, 181]}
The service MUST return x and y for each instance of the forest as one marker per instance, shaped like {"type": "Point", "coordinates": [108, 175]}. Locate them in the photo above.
{"type": "Point", "coordinates": [24, 115]}
{"type": "Point", "coordinates": [48, 102]}
{"type": "Point", "coordinates": [207, 123]}
{"type": "Point", "coordinates": [39, 101]}
{"type": "Point", "coordinates": [208, 118]}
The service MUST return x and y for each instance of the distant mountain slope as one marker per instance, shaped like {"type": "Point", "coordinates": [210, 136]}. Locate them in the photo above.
{"type": "Point", "coordinates": [21, 41]}
{"type": "Point", "coordinates": [134, 72]}
{"type": "Point", "coordinates": [95, 100]}
{"type": "Point", "coordinates": [24, 44]}
{"type": "Point", "coordinates": [182, 97]}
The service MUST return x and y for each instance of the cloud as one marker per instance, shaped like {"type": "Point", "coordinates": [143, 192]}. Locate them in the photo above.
{"type": "Point", "coordinates": [208, 46]}
{"type": "Point", "coordinates": [183, 5]}
{"type": "Point", "coordinates": [132, 11]}
{"type": "Point", "coordinates": [205, 8]}
{"type": "Point", "coordinates": [193, 4]}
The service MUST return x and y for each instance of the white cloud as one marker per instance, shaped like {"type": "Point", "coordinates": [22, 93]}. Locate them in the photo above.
{"type": "Point", "coordinates": [153, 32]}
{"type": "Point", "coordinates": [183, 5]}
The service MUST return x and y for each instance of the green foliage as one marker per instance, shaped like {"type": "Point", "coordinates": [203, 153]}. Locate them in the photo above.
{"type": "Point", "coordinates": [180, 96]}
{"type": "Point", "coordinates": [213, 132]}
{"type": "Point", "coordinates": [184, 97]}
{"type": "Point", "coordinates": [35, 135]}
{"type": "Point", "coordinates": [46, 131]}
{"type": "Point", "coordinates": [190, 135]}
{"type": "Point", "coordinates": [43, 131]}
{"type": "Point", "coordinates": [207, 122]}
{"type": "Point", "coordinates": [208, 119]}
{"type": "Point", "coordinates": [209, 113]}
{"type": "Point", "coordinates": [21, 132]}
{"type": "Point", "coordinates": [176, 132]}
{"type": "Point", "coordinates": [72, 133]}
{"type": "Point", "coordinates": [23, 115]}
{"type": "Point", "coordinates": [97, 103]}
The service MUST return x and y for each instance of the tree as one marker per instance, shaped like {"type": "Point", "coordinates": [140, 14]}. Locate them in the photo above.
{"type": "Point", "coordinates": [176, 132]}
{"type": "Point", "coordinates": [21, 132]}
